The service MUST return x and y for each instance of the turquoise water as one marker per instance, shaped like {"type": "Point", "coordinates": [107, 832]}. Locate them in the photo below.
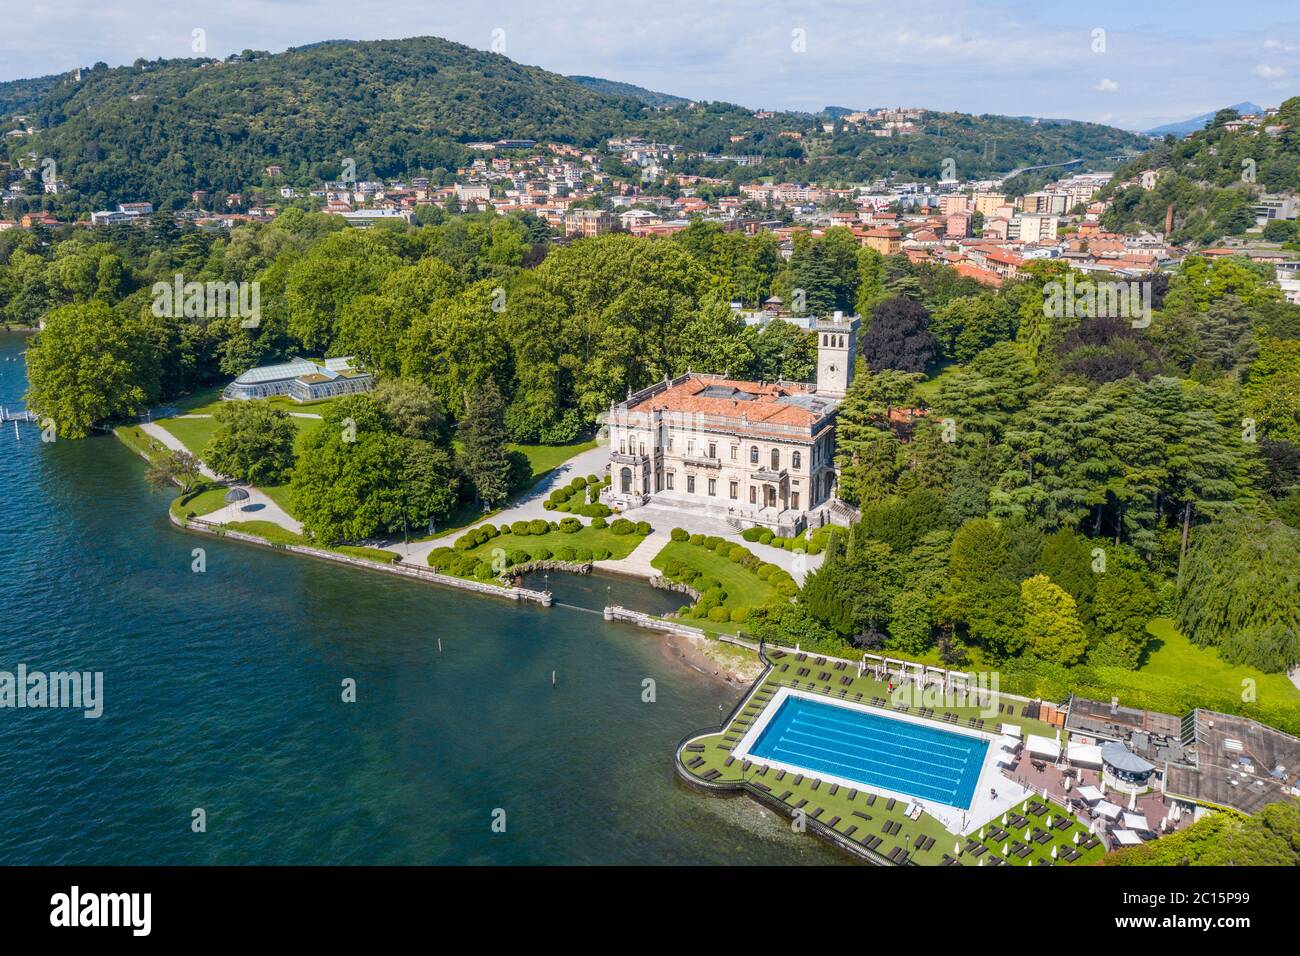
{"type": "Point", "coordinates": [874, 750]}
{"type": "Point", "coordinates": [222, 692]}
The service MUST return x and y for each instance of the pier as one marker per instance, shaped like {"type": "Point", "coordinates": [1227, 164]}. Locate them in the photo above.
{"type": "Point", "coordinates": [17, 415]}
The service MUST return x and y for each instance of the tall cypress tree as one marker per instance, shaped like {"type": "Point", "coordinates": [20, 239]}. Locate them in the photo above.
{"type": "Point", "coordinates": [485, 457]}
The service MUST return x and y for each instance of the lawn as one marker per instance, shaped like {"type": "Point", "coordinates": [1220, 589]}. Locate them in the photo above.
{"type": "Point", "coordinates": [744, 588]}
{"type": "Point", "coordinates": [1173, 659]}
{"type": "Point", "coordinates": [858, 814]}
{"type": "Point", "coordinates": [546, 458]}
{"type": "Point", "coordinates": [930, 387]}
{"type": "Point", "coordinates": [210, 499]}
{"type": "Point", "coordinates": [194, 433]}
{"type": "Point", "coordinates": [142, 444]}
{"type": "Point", "coordinates": [594, 539]}
{"type": "Point", "coordinates": [270, 531]}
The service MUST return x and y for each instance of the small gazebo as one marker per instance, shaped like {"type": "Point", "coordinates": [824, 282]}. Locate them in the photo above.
{"type": "Point", "coordinates": [235, 496]}
{"type": "Point", "coordinates": [1124, 770]}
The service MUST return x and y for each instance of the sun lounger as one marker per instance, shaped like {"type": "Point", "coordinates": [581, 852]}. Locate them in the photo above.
{"type": "Point", "coordinates": [891, 803]}
{"type": "Point", "coordinates": [849, 831]}
{"type": "Point", "coordinates": [785, 796]}
{"type": "Point", "coordinates": [859, 813]}
{"type": "Point", "coordinates": [817, 811]}
{"type": "Point", "coordinates": [762, 786]}
{"type": "Point", "coordinates": [713, 775]}
{"type": "Point", "coordinates": [801, 804]}
{"type": "Point", "coordinates": [694, 762]}
{"type": "Point", "coordinates": [695, 747]}
{"type": "Point", "coordinates": [729, 762]}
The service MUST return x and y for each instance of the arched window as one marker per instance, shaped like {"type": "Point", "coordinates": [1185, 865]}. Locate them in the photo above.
{"type": "Point", "coordinates": [753, 454]}
{"type": "Point", "coordinates": [776, 459]}
{"type": "Point", "coordinates": [625, 480]}
{"type": "Point", "coordinates": [796, 460]}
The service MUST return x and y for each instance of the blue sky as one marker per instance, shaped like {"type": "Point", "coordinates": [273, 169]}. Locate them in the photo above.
{"type": "Point", "coordinates": [1151, 63]}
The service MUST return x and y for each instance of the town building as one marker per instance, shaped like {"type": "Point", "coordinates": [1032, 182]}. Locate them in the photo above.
{"type": "Point", "coordinates": [587, 222]}
{"type": "Point", "coordinates": [751, 453]}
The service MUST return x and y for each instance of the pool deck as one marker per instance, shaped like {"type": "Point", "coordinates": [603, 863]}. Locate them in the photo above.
{"type": "Point", "coordinates": [957, 820]}
{"type": "Point", "coordinates": [873, 825]}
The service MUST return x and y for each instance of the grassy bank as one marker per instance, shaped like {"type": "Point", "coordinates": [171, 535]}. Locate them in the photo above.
{"type": "Point", "coordinates": [272, 532]}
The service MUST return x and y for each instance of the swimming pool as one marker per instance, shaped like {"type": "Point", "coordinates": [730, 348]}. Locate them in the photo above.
{"type": "Point", "coordinates": [874, 750]}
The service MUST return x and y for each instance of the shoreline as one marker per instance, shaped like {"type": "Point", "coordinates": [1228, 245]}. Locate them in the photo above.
{"type": "Point", "coordinates": [708, 657]}
{"type": "Point", "coordinates": [705, 656]}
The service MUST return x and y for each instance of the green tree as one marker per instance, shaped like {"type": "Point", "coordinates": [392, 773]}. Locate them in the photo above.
{"type": "Point", "coordinates": [87, 366]}
{"type": "Point", "coordinates": [1053, 631]}
{"type": "Point", "coordinates": [253, 442]}
{"type": "Point", "coordinates": [1239, 582]}
{"type": "Point", "coordinates": [174, 469]}
{"type": "Point", "coordinates": [484, 456]}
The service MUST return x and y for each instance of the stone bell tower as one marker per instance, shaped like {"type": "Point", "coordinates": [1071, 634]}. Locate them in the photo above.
{"type": "Point", "coordinates": [837, 351]}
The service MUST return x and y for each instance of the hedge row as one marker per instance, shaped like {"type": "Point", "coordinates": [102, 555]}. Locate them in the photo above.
{"type": "Point", "coordinates": [712, 595]}
{"type": "Point", "coordinates": [810, 545]}
{"type": "Point", "coordinates": [580, 496]}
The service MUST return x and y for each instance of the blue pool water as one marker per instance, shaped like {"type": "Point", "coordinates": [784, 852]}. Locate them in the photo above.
{"type": "Point", "coordinates": [874, 750]}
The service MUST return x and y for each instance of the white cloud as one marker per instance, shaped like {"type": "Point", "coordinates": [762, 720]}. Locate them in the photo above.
{"type": "Point", "coordinates": [1107, 86]}
{"type": "Point", "coordinates": [1268, 71]}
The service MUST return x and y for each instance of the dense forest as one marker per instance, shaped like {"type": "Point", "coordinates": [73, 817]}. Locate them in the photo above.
{"type": "Point", "coordinates": [1034, 489]}
{"type": "Point", "coordinates": [1211, 178]}
{"type": "Point", "coordinates": [157, 130]}
{"type": "Point", "coordinates": [17, 96]}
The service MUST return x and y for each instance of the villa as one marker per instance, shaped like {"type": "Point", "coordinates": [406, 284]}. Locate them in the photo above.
{"type": "Point", "coordinates": [751, 453]}
{"type": "Point", "coordinates": [301, 380]}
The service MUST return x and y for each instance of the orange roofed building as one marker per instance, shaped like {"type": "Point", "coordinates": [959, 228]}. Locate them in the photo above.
{"type": "Point", "coordinates": [750, 453]}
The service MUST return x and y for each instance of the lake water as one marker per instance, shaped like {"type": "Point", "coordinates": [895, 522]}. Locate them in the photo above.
{"type": "Point", "coordinates": [222, 691]}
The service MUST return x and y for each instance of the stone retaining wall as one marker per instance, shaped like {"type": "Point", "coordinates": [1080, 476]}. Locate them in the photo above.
{"type": "Point", "coordinates": [405, 570]}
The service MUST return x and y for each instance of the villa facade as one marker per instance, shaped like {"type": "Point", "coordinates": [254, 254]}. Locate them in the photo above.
{"type": "Point", "coordinates": [301, 380]}
{"type": "Point", "coordinates": [752, 453]}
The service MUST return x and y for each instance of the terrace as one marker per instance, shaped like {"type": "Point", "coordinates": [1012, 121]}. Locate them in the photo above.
{"type": "Point", "coordinates": [884, 829]}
